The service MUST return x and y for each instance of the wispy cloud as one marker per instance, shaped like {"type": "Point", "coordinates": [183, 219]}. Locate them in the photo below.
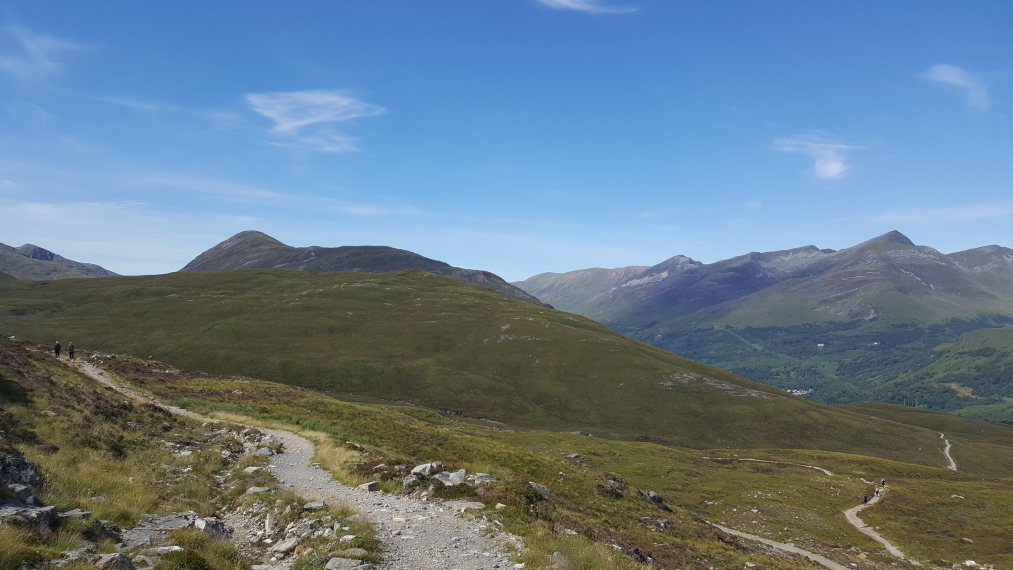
{"type": "Point", "coordinates": [975, 91]}
{"type": "Point", "coordinates": [960, 213]}
{"type": "Point", "coordinates": [303, 118]}
{"type": "Point", "coordinates": [33, 56]}
{"type": "Point", "coordinates": [591, 6]}
{"type": "Point", "coordinates": [829, 155]}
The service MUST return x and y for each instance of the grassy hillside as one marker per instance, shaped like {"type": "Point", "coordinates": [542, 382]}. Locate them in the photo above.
{"type": "Point", "coordinates": [599, 485]}
{"type": "Point", "coordinates": [420, 338]}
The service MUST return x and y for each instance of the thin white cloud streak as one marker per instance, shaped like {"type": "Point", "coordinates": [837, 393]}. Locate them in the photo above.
{"type": "Point", "coordinates": [301, 118]}
{"type": "Point", "coordinates": [829, 155]}
{"type": "Point", "coordinates": [36, 56]}
{"type": "Point", "coordinates": [590, 6]}
{"type": "Point", "coordinates": [975, 91]}
{"type": "Point", "coordinates": [954, 214]}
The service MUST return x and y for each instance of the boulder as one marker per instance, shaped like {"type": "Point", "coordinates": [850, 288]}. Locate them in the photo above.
{"type": "Point", "coordinates": [264, 452]}
{"type": "Point", "coordinates": [542, 490]}
{"type": "Point", "coordinates": [450, 479]}
{"type": "Point", "coordinates": [214, 527]}
{"type": "Point", "coordinates": [352, 553]}
{"type": "Point", "coordinates": [461, 506]}
{"type": "Point", "coordinates": [155, 529]}
{"type": "Point", "coordinates": [19, 492]}
{"type": "Point", "coordinates": [338, 563]}
{"type": "Point", "coordinates": [116, 561]}
{"type": "Point", "coordinates": [284, 546]}
{"type": "Point", "coordinates": [253, 490]}
{"type": "Point", "coordinates": [35, 517]}
{"type": "Point", "coordinates": [428, 469]}
{"type": "Point", "coordinates": [655, 498]}
{"type": "Point", "coordinates": [74, 514]}
{"type": "Point", "coordinates": [371, 486]}
{"type": "Point", "coordinates": [314, 506]}
{"type": "Point", "coordinates": [252, 469]}
{"type": "Point", "coordinates": [411, 481]}
{"type": "Point", "coordinates": [17, 469]}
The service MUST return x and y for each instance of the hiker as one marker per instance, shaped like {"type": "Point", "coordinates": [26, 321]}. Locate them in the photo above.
{"type": "Point", "coordinates": [883, 482]}
{"type": "Point", "coordinates": [877, 491]}
{"type": "Point", "coordinates": [56, 349]}
{"type": "Point", "coordinates": [865, 499]}
{"type": "Point", "coordinates": [70, 351]}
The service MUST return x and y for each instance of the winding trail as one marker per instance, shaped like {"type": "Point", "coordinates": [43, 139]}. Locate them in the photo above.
{"type": "Point", "coordinates": [946, 451]}
{"type": "Point", "coordinates": [851, 515]}
{"type": "Point", "coordinates": [417, 535]}
{"type": "Point", "coordinates": [786, 547]}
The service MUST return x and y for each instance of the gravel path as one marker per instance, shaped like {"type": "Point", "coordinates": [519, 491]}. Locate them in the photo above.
{"type": "Point", "coordinates": [946, 451]}
{"type": "Point", "coordinates": [787, 548]}
{"type": "Point", "coordinates": [417, 535]}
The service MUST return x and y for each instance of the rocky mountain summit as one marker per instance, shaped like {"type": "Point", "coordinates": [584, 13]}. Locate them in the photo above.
{"type": "Point", "coordinates": [35, 263]}
{"type": "Point", "coordinates": [256, 250]}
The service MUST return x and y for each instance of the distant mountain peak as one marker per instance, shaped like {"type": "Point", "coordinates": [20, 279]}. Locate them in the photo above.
{"type": "Point", "coordinates": [890, 237]}
{"type": "Point", "coordinates": [32, 251]}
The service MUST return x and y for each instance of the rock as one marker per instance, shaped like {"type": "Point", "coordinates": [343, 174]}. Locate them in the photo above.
{"type": "Point", "coordinates": [451, 479]}
{"type": "Point", "coordinates": [154, 529]}
{"type": "Point", "coordinates": [19, 492]}
{"type": "Point", "coordinates": [348, 538]}
{"type": "Point", "coordinates": [371, 486]}
{"type": "Point", "coordinates": [35, 517]}
{"type": "Point", "coordinates": [428, 469]}
{"type": "Point", "coordinates": [352, 553]}
{"type": "Point", "coordinates": [211, 526]}
{"type": "Point", "coordinates": [461, 506]}
{"type": "Point", "coordinates": [479, 479]}
{"type": "Point", "coordinates": [411, 481]}
{"type": "Point", "coordinates": [159, 551]}
{"type": "Point", "coordinates": [284, 546]}
{"type": "Point", "coordinates": [254, 490]}
{"type": "Point", "coordinates": [252, 469]}
{"type": "Point", "coordinates": [103, 530]}
{"type": "Point", "coordinates": [16, 469]}
{"type": "Point", "coordinates": [74, 514]}
{"type": "Point", "coordinates": [338, 563]}
{"type": "Point", "coordinates": [116, 561]}
{"type": "Point", "coordinates": [967, 540]}
{"type": "Point", "coordinates": [500, 506]}
{"type": "Point", "coordinates": [264, 452]}
{"type": "Point", "coordinates": [314, 506]}
{"type": "Point", "coordinates": [542, 490]}
{"type": "Point", "coordinates": [269, 524]}
{"type": "Point", "coordinates": [659, 500]}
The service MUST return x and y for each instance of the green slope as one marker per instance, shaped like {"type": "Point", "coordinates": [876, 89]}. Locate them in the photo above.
{"type": "Point", "coordinates": [420, 338]}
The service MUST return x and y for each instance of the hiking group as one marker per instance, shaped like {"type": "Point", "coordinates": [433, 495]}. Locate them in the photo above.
{"type": "Point", "coordinates": [57, 349]}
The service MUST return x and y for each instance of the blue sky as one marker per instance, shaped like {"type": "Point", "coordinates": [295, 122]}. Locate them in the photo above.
{"type": "Point", "coordinates": [517, 136]}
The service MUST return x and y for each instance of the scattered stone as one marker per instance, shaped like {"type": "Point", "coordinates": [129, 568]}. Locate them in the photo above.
{"type": "Point", "coordinates": [500, 506]}
{"type": "Point", "coordinates": [254, 490]}
{"type": "Point", "coordinates": [428, 469]}
{"type": "Point", "coordinates": [103, 530]}
{"type": "Point", "coordinates": [461, 506]}
{"type": "Point", "coordinates": [348, 538]}
{"type": "Point", "coordinates": [154, 529]}
{"type": "Point", "coordinates": [411, 481]}
{"type": "Point", "coordinates": [451, 479]}
{"type": "Point", "coordinates": [352, 553]}
{"type": "Point", "coordinates": [252, 469]}
{"type": "Point", "coordinates": [659, 500]}
{"type": "Point", "coordinates": [264, 452]}
{"type": "Point", "coordinates": [35, 517]}
{"type": "Point", "coordinates": [116, 561]}
{"type": "Point", "coordinates": [211, 526]}
{"type": "Point", "coordinates": [967, 540]}
{"type": "Point", "coordinates": [314, 506]}
{"type": "Point", "coordinates": [542, 490]}
{"type": "Point", "coordinates": [559, 560]}
{"type": "Point", "coordinates": [19, 492]}
{"type": "Point", "coordinates": [284, 546]}
{"type": "Point", "coordinates": [342, 564]}
{"type": "Point", "coordinates": [371, 486]}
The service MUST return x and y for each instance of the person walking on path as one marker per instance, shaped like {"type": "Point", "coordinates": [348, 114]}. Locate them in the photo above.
{"type": "Point", "coordinates": [57, 349]}
{"type": "Point", "coordinates": [865, 499]}
{"type": "Point", "coordinates": [70, 351]}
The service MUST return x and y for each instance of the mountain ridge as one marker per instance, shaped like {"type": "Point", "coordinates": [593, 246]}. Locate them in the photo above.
{"type": "Point", "coordinates": [252, 249]}
{"type": "Point", "coordinates": [32, 262]}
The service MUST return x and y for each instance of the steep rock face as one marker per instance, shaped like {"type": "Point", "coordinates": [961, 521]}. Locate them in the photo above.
{"type": "Point", "coordinates": [33, 263]}
{"type": "Point", "coordinates": [256, 250]}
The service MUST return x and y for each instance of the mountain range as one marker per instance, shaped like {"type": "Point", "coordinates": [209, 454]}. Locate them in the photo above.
{"type": "Point", "coordinates": [256, 250]}
{"type": "Point", "coordinates": [33, 262]}
{"type": "Point", "coordinates": [841, 325]}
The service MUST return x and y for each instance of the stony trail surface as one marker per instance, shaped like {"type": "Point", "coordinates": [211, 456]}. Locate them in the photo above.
{"type": "Point", "coordinates": [416, 534]}
{"type": "Point", "coordinates": [946, 451]}
{"type": "Point", "coordinates": [787, 548]}
{"type": "Point", "coordinates": [852, 516]}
